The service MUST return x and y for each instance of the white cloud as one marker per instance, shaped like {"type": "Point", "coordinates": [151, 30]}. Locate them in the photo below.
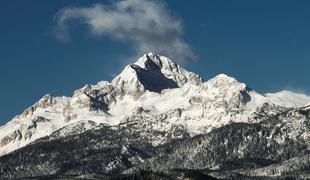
{"type": "Point", "coordinates": [148, 25]}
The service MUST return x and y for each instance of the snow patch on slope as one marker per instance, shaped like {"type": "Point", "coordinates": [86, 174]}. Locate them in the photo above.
{"type": "Point", "coordinates": [289, 99]}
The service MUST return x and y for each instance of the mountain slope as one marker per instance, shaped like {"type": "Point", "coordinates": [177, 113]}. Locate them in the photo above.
{"type": "Point", "coordinates": [279, 137]}
{"type": "Point", "coordinates": [103, 150]}
{"type": "Point", "coordinates": [234, 150]}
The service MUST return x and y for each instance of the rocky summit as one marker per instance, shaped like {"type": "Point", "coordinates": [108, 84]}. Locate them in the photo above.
{"type": "Point", "coordinates": [156, 120]}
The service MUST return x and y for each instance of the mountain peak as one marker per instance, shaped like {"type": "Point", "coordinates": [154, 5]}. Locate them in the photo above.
{"type": "Point", "coordinates": [147, 58]}
{"type": "Point", "coordinates": [154, 73]}
{"type": "Point", "coordinates": [228, 88]}
{"type": "Point", "coordinates": [222, 80]}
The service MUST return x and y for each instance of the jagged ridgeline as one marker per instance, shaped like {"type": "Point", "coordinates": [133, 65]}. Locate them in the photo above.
{"type": "Point", "coordinates": [156, 120]}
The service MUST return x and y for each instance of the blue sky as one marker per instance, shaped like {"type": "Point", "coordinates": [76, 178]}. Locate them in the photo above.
{"type": "Point", "coordinates": [260, 42]}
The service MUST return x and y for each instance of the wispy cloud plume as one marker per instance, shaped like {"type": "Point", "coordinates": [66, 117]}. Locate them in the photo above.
{"type": "Point", "coordinates": [148, 25]}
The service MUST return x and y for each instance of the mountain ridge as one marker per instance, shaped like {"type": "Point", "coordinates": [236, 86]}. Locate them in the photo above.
{"type": "Point", "coordinates": [157, 109]}
{"type": "Point", "coordinates": [97, 100]}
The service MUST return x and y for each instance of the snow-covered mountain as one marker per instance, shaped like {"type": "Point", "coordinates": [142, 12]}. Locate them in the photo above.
{"type": "Point", "coordinates": [158, 102]}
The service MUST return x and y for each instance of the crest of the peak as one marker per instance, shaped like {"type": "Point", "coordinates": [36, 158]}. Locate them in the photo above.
{"type": "Point", "coordinates": [155, 73]}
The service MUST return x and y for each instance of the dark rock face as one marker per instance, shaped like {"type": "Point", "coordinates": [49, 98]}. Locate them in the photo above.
{"type": "Point", "coordinates": [96, 104]}
{"type": "Point", "coordinates": [152, 78]}
{"type": "Point", "coordinates": [16, 135]}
